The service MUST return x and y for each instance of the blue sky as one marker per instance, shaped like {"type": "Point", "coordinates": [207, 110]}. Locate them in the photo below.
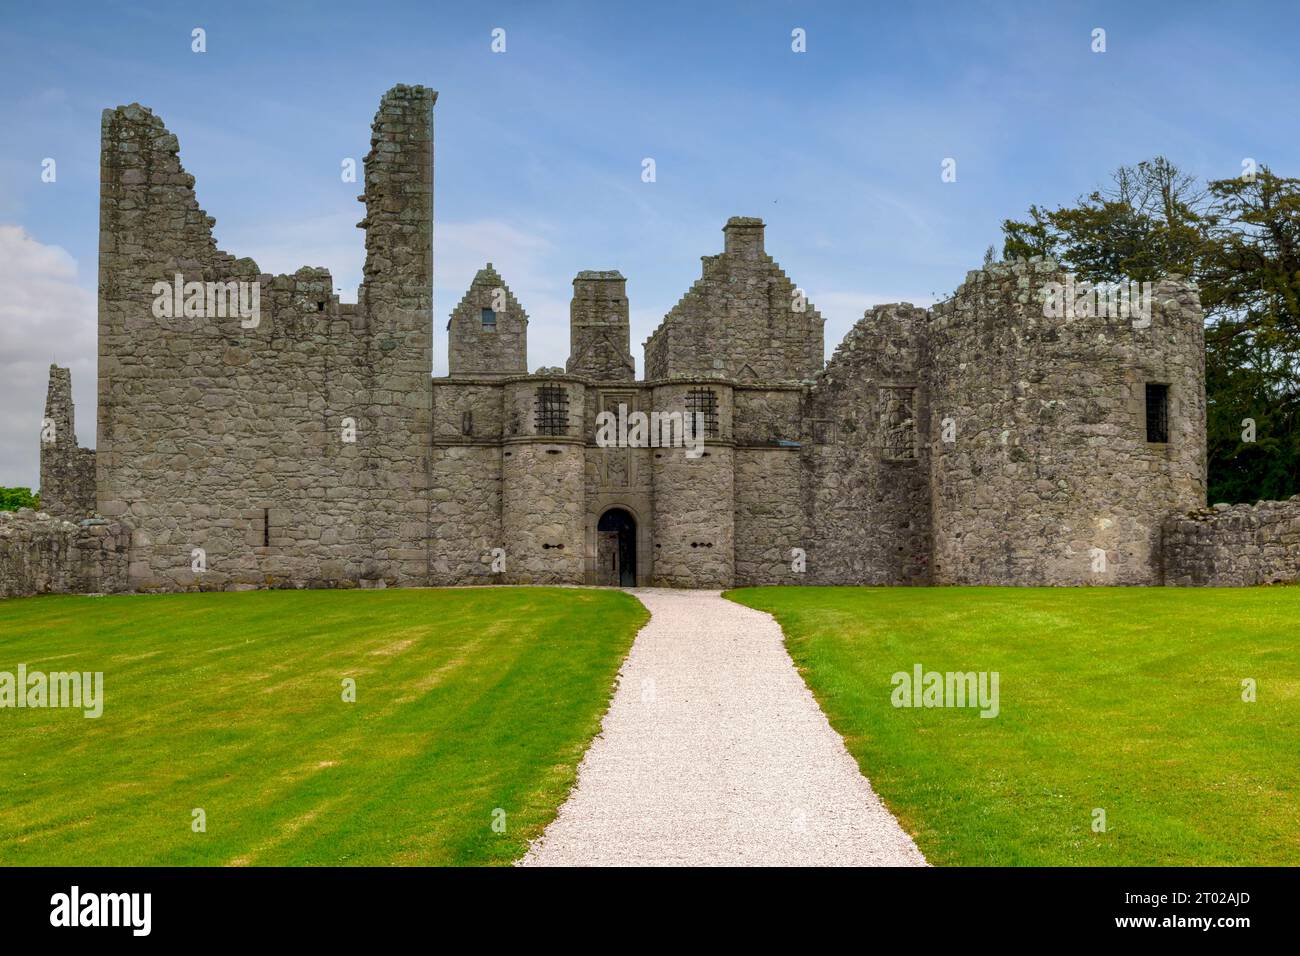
{"type": "Point", "coordinates": [539, 149]}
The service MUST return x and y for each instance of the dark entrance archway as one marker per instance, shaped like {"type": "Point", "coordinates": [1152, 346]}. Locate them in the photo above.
{"type": "Point", "coordinates": [616, 549]}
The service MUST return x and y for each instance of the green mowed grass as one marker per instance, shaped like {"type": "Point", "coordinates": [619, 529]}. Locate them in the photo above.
{"type": "Point", "coordinates": [467, 701]}
{"type": "Point", "coordinates": [1123, 699]}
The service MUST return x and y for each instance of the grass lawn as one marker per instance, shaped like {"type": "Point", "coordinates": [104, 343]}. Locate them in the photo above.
{"type": "Point", "coordinates": [1124, 699]}
{"type": "Point", "coordinates": [466, 701]}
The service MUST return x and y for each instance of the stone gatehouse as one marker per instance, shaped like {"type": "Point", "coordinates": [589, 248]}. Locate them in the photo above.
{"type": "Point", "coordinates": [978, 442]}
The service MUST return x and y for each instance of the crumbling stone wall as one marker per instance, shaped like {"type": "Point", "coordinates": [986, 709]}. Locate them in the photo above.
{"type": "Point", "coordinates": [1049, 468]}
{"type": "Point", "coordinates": [67, 471]}
{"type": "Point", "coordinates": [866, 449]}
{"type": "Point", "coordinates": [1234, 546]}
{"type": "Point", "coordinates": [770, 484]}
{"type": "Point", "coordinates": [742, 320]}
{"type": "Point", "coordinates": [981, 443]}
{"type": "Point", "coordinates": [42, 553]}
{"type": "Point", "coordinates": [292, 451]}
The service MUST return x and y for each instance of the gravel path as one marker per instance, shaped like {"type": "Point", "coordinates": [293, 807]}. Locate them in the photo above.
{"type": "Point", "coordinates": [714, 752]}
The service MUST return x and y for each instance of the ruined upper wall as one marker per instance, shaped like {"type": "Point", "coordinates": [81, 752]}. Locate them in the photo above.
{"type": "Point", "coordinates": [288, 447]}
{"type": "Point", "coordinates": [1042, 468]}
{"type": "Point", "coordinates": [67, 471]}
{"type": "Point", "coordinates": [743, 319]}
{"type": "Point", "coordinates": [866, 448]}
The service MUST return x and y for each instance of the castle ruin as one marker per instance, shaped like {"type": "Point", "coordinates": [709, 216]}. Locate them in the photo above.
{"type": "Point", "coordinates": [977, 442]}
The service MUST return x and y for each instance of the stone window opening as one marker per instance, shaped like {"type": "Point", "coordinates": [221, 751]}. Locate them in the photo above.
{"type": "Point", "coordinates": [467, 422]}
{"type": "Point", "coordinates": [1157, 413]}
{"type": "Point", "coordinates": [266, 527]}
{"type": "Point", "coordinates": [489, 320]}
{"type": "Point", "coordinates": [898, 424]}
{"type": "Point", "coordinates": [705, 402]}
{"type": "Point", "coordinates": [551, 410]}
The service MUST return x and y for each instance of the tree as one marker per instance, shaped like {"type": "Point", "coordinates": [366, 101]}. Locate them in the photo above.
{"type": "Point", "coordinates": [11, 499]}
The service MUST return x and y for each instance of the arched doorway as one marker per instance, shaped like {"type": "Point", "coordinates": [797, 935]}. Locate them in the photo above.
{"type": "Point", "coordinates": [616, 549]}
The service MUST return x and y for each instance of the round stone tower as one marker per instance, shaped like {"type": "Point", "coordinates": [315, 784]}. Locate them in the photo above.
{"type": "Point", "coordinates": [694, 490]}
{"type": "Point", "coordinates": [542, 471]}
{"type": "Point", "coordinates": [1065, 424]}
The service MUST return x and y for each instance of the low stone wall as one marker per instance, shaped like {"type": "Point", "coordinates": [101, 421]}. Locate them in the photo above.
{"type": "Point", "coordinates": [1234, 546]}
{"type": "Point", "coordinates": [41, 554]}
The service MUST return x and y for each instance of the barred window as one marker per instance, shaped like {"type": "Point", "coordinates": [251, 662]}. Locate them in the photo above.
{"type": "Point", "coordinates": [1157, 412]}
{"type": "Point", "coordinates": [551, 410]}
{"type": "Point", "coordinates": [489, 319]}
{"type": "Point", "coordinates": [705, 402]}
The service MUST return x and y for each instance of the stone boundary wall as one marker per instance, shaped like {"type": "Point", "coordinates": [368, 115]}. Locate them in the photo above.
{"type": "Point", "coordinates": [43, 554]}
{"type": "Point", "coordinates": [1234, 546]}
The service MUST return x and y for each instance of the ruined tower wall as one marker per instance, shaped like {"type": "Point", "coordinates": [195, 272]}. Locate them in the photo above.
{"type": "Point", "coordinates": [694, 499]}
{"type": "Point", "coordinates": [1050, 458]}
{"type": "Point", "coordinates": [542, 477]}
{"type": "Point", "coordinates": [67, 471]}
{"type": "Point", "coordinates": [770, 519]}
{"type": "Point", "coordinates": [397, 298]}
{"type": "Point", "coordinates": [227, 434]}
{"type": "Point", "coordinates": [466, 481]}
{"type": "Point", "coordinates": [741, 320]}
{"type": "Point", "coordinates": [867, 450]}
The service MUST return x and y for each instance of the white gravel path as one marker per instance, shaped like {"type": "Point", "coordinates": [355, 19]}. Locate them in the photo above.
{"type": "Point", "coordinates": [714, 752]}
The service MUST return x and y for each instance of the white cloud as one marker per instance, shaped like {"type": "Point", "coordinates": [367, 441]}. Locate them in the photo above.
{"type": "Point", "coordinates": [45, 317]}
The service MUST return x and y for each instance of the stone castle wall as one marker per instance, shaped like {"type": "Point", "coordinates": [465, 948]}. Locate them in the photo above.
{"type": "Point", "coordinates": [981, 442]}
{"type": "Point", "coordinates": [1049, 466]}
{"type": "Point", "coordinates": [226, 444]}
{"type": "Point", "coordinates": [867, 454]}
{"type": "Point", "coordinates": [41, 553]}
{"type": "Point", "coordinates": [1234, 546]}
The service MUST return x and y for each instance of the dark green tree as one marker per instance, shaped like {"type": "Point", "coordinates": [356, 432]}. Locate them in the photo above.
{"type": "Point", "coordinates": [11, 499]}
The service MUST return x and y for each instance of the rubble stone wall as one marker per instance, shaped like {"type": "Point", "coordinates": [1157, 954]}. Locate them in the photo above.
{"type": "Point", "coordinates": [1234, 546]}
{"type": "Point", "coordinates": [42, 553]}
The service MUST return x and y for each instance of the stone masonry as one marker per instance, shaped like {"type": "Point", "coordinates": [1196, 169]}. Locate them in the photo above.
{"type": "Point", "coordinates": [1234, 546]}
{"type": "Point", "coordinates": [979, 442]}
{"type": "Point", "coordinates": [67, 470]}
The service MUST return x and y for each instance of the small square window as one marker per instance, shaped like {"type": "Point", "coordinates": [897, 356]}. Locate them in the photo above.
{"type": "Point", "coordinates": [1157, 413]}
{"type": "Point", "coordinates": [489, 320]}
